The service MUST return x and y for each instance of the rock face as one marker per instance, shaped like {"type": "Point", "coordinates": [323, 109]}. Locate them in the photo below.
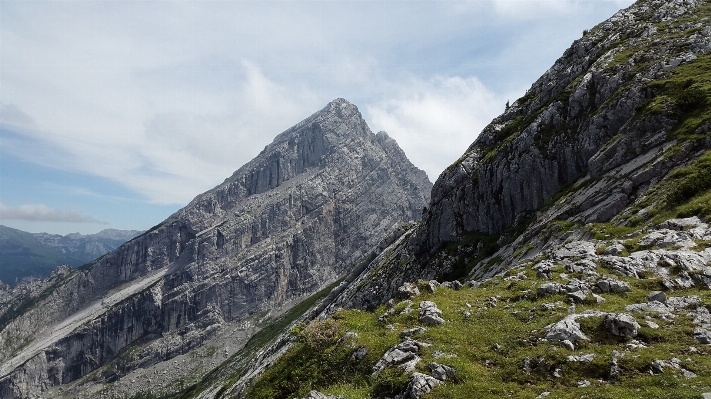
{"type": "Point", "coordinates": [589, 142]}
{"type": "Point", "coordinates": [615, 133]}
{"type": "Point", "coordinates": [581, 118]}
{"type": "Point", "coordinates": [280, 228]}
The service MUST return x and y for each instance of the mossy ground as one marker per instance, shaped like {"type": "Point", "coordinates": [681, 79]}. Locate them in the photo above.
{"type": "Point", "coordinates": [491, 344]}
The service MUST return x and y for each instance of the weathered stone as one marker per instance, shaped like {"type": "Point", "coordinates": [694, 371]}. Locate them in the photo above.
{"type": "Point", "coordinates": [702, 336]}
{"type": "Point", "coordinates": [419, 384]}
{"type": "Point", "coordinates": [432, 286]}
{"type": "Point", "coordinates": [408, 291]}
{"type": "Point", "coordinates": [582, 358]}
{"type": "Point", "coordinates": [578, 296]}
{"type": "Point", "coordinates": [621, 324]}
{"type": "Point", "coordinates": [412, 331]}
{"type": "Point", "coordinates": [319, 395]}
{"type": "Point", "coordinates": [683, 302]}
{"type": "Point", "coordinates": [566, 329]}
{"type": "Point", "coordinates": [657, 296]}
{"type": "Point", "coordinates": [441, 371]}
{"type": "Point", "coordinates": [455, 285]}
{"type": "Point", "coordinates": [360, 353]}
{"type": "Point", "coordinates": [549, 289]}
{"type": "Point", "coordinates": [430, 314]}
{"type": "Point", "coordinates": [615, 286]}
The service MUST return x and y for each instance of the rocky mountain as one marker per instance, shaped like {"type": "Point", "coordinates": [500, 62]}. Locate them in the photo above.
{"type": "Point", "coordinates": [282, 227]}
{"type": "Point", "coordinates": [566, 253]}
{"type": "Point", "coordinates": [26, 255]}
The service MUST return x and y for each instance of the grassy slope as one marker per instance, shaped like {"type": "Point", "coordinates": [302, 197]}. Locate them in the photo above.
{"type": "Point", "coordinates": [493, 342]}
{"type": "Point", "coordinates": [491, 346]}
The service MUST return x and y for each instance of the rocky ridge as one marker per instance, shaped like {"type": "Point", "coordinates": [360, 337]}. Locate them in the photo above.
{"type": "Point", "coordinates": [283, 226]}
{"type": "Point", "coordinates": [591, 142]}
{"type": "Point", "coordinates": [28, 256]}
{"type": "Point", "coordinates": [585, 197]}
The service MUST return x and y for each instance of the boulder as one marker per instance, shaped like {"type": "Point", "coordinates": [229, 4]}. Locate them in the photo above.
{"type": "Point", "coordinates": [430, 314]}
{"type": "Point", "coordinates": [407, 291]}
{"type": "Point", "coordinates": [441, 371]}
{"type": "Point", "coordinates": [702, 335]}
{"type": "Point", "coordinates": [566, 329]}
{"type": "Point", "coordinates": [657, 296]}
{"type": "Point", "coordinates": [622, 324]}
{"type": "Point", "coordinates": [614, 286]}
{"type": "Point", "coordinates": [419, 384]}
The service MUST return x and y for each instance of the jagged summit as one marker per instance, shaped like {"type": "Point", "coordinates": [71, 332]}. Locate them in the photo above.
{"type": "Point", "coordinates": [284, 225]}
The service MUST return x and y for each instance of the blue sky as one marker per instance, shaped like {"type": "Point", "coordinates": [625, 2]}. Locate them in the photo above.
{"type": "Point", "coordinates": [114, 114]}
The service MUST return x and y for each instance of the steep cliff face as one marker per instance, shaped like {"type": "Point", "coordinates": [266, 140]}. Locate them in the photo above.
{"type": "Point", "coordinates": [280, 228]}
{"type": "Point", "coordinates": [593, 141]}
{"type": "Point", "coordinates": [585, 116]}
{"type": "Point", "coordinates": [581, 208]}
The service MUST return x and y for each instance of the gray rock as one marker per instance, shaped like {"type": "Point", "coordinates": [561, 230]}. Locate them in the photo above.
{"type": "Point", "coordinates": [681, 224]}
{"type": "Point", "coordinates": [408, 291]}
{"type": "Point", "coordinates": [702, 316]}
{"type": "Point", "coordinates": [419, 384]}
{"type": "Point", "coordinates": [621, 324]}
{"type": "Point", "coordinates": [582, 358]}
{"type": "Point", "coordinates": [614, 369]}
{"type": "Point", "coordinates": [441, 371]}
{"type": "Point", "coordinates": [430, 314]}
{"type": "Point", "coordinates": [657, 296]}
{"type": "Point", "coordinates": [319, 395]}
{"type": "Point", "coordinates": [683, 302]}
{"type": "Point", "coordinates": [568, 345]}
{"type": "Point", "coordinates": [684, 280]}
{"type": "Point", "coordinates": [615, 286]}
{"type": "Point", "coordinates": [394, 356]}
{"type": "Point", "coordinates": [412, 331]}
{"type": "Point", "coordinates": [360, 353]}
{"type": "Point", "coordinates": [578, 296]}
{"type": "Point", "coordinates": [615, 249]}
{"type": "Point", "coordinates": [702, 336]}
{"type": "Point", "coordinates": [566, 329]}
{"type": "Point", "coordinates": [551, 288]}
{"type": "Point", "coordinates": [455, 285]}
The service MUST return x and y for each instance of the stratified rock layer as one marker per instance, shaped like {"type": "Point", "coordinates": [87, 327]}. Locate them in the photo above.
{"type": "Point", "coordinates": [281, 227]}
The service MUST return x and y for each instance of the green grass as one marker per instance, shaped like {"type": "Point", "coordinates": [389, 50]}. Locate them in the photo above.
{"type": "Point", "coordinates": [234, 366]}
{"type": "Point", "coordinates": [491, 345]}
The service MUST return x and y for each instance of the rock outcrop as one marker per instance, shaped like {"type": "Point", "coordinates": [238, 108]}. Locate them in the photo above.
{"type": "Point", "coordinates": [596, 138]}
{"type": "Point", "coordinates": [283, 226]}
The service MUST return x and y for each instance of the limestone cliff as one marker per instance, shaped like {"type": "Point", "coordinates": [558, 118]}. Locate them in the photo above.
{"type": "Point", "coordinates": [596, 183]}
{"type": "Point", "coordinates": [594, 140]}
{"type": "Point", "coordinates": [283, 226]}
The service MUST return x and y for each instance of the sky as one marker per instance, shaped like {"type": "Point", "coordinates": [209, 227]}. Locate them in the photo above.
{"type": "Point", "coordinates": [115, 114]}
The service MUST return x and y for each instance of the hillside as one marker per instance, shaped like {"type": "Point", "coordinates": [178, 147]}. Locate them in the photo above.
{"type": "Point", "coordinates": [566, 253]}
{"type": "Point", "coordinates": [26, 255]}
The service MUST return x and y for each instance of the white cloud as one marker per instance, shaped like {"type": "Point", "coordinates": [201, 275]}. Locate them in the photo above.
{"type": "Point", "coordinates": [435, 120]}
{"type": "Point", "coordinates": [169, 98]}
{"type": "Point", "coordinates": [43, 213]}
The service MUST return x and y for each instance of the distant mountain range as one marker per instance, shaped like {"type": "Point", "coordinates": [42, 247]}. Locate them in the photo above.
{"type": "Point", "coordinates": [26, 255]}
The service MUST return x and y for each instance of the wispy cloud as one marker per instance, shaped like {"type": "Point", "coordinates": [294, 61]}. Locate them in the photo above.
{"type": "Point", "coordinates": [169, 98]}
{"type": "Point", "coordinates": [435, 120]}
{"type": "Point", "coordinates": [43, 213]}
